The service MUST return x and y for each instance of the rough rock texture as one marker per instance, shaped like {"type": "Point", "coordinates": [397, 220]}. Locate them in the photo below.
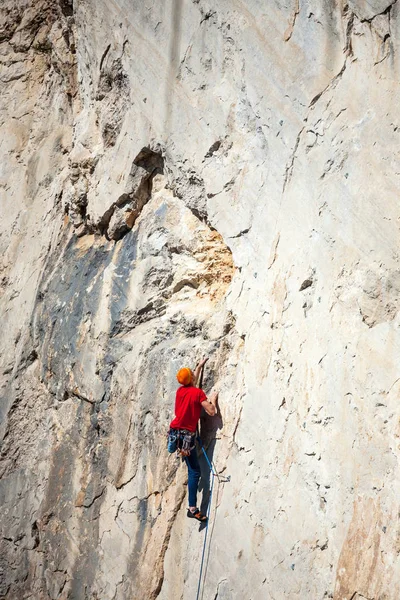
{"type": "Point", "coordinates": [189, 178]}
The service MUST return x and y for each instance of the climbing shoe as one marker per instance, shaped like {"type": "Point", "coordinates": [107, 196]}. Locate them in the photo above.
{"type": "Point", "coordinates": [196, 515]}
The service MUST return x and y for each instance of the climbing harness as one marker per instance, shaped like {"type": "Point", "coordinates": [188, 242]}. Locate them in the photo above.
{"type": "Point", "coordinates": [181, 441]}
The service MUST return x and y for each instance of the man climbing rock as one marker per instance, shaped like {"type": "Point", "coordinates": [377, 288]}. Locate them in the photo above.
{"type": "Point", "coordinates": [182, 435]}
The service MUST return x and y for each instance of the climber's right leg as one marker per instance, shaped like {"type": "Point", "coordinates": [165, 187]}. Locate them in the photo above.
{"type": "Point", "coordinates": [193, 482]}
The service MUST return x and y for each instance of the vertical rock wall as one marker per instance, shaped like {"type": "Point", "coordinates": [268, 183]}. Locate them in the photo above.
{"type": "Point", "coordinates": [194, 178]}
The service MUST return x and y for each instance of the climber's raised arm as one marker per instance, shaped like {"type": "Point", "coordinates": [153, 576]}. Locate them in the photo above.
{"type": "Point", "coordinates": [197, 371]}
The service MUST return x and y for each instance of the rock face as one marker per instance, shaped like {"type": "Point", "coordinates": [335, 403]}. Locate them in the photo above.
{"type": "Point", "coordinates": [189, 178]}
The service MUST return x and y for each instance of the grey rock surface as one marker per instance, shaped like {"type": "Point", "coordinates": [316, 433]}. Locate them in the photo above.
{"type": "Point", "coordinates": [189, 178]}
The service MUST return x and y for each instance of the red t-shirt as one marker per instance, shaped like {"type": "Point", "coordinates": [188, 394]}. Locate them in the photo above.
{"type": "Point", "coordinates": [187, 407]}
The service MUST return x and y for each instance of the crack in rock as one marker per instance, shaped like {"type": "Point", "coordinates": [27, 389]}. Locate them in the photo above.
{"type": "Point", "coordinates": [289, 31]}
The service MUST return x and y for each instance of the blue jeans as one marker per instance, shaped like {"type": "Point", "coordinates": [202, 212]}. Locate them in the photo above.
{"type": "Point", "coordinates": [194, 476]}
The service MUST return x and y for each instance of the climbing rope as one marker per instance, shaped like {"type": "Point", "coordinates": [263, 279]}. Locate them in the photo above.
{"type": "Point", "coordinates": [214, 474]}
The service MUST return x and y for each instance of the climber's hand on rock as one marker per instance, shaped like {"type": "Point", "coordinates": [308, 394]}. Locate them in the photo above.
{"type": "Point", "coordinates": [203, 362]}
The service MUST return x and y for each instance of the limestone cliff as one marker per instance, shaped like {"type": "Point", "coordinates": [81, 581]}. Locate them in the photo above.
{"type": "Point", "coordinates": [189, 178]}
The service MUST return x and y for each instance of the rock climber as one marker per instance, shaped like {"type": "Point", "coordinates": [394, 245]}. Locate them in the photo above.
{"type": "Point", "coordinates": [182, 434]}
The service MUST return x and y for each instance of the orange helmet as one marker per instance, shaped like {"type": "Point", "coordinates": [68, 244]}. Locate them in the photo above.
{"type": "Point", "coordinates": [184, 376]}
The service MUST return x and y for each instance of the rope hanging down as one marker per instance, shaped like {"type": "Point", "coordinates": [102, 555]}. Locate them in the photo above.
{"type": "Point", "coordinates": [213, 473]}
